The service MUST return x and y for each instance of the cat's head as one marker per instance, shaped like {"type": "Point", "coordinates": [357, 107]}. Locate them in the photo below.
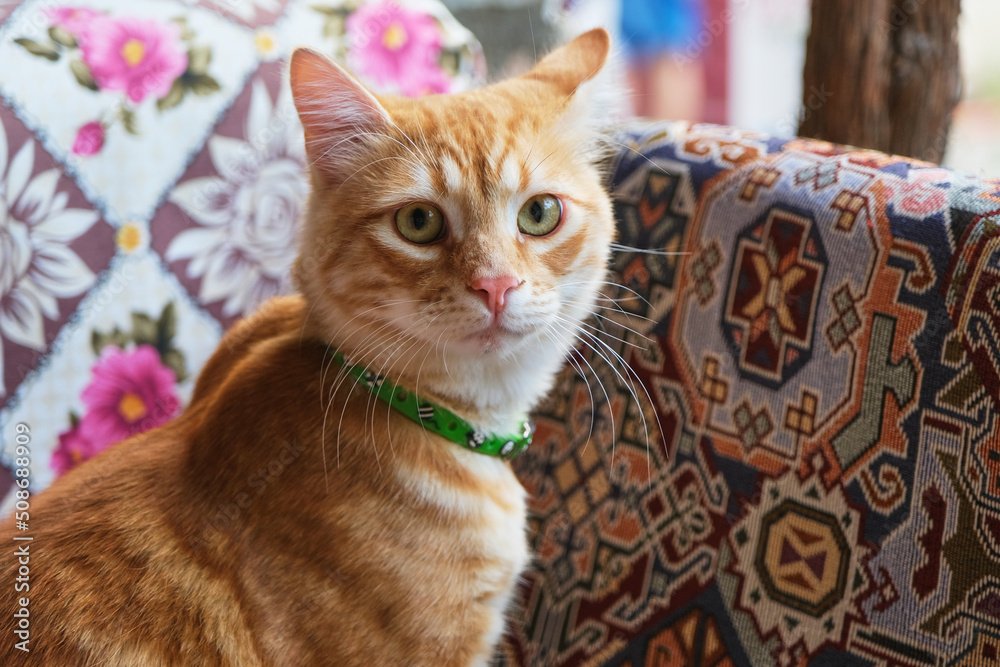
{"type": "Point", "coordinates": [465, 234]}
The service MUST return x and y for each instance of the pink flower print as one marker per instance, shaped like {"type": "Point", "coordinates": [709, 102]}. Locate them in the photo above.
{"type": "Point", "coordinates": [129, 392]}
{"type": "Point", "coordinates": [74, 20]}
{"type": "Point", "coordinates": [73, 450]}
{"type": "Point", "coordinates": [392, 45]}
{"type": "Point", "coordinates": [133, 55]}
{"type": "Point", "coordinates": [434, 81]}
{"type": "Point", "coordinates": [89, 140]}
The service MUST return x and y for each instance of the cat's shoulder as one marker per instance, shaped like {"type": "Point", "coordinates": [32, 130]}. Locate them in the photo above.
{"type": "Point", "coordinates": [275, 318]}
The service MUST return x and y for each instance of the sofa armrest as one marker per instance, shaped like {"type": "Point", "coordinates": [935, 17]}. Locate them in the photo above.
{"type": "Point", "coordinates": [785, 447]}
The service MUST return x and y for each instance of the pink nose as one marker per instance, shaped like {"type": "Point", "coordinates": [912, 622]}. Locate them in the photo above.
{"type": "Point", "coordinates": [494, 291]}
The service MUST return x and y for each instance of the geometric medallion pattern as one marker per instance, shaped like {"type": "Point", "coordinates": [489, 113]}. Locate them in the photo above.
{"type": "Point", "coordinates": [819, 370]}
{"type": "Point", "coordinates": [800, 564]}
{"type": "Point", "coordinates": [802, 558]}
{"type": "Point", "coordinates": [773, 292]}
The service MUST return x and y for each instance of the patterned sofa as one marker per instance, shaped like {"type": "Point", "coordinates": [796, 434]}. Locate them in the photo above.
{"type": "Point", "coordinates": [781, 447]}
{"type": "Point", "coordinates": [801, 463]}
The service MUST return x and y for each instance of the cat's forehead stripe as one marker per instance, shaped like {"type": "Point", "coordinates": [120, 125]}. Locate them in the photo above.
{"type": "Point", "coordinates": [497, 152]}
{"type": "Point", "coordinates": [470, 145]}
{"type": "Point", "coordinates": [503, 174]}
{"type": "Point", "coordinates": [423, 184]}
{"type": "Point", "coordinates": [510, 175]}
{"type": "Point", "coordinates": [452, 174]}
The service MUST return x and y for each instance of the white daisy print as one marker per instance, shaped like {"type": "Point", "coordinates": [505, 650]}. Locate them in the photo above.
{"type": "Point", "coordinates": [38, 267]}
{"type": "Point", "coordinates": [248, 215]}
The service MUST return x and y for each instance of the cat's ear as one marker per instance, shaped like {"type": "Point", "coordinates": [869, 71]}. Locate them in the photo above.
{"type": "Point", "coordinates": [337, 112]}
{"type": "Point", "coordinates": [587, 78]}
{"type": "Point", "coordinates": [574, 63]}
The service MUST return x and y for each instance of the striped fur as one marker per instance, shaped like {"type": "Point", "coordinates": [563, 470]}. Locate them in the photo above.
{"type": "Point", "coordinates": [286, 518]}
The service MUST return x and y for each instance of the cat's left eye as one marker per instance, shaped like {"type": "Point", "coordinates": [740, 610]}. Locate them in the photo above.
{"type": "Point", "coordinates": [420, 223]}
{"type": "Point", "coordinates": [540, 215]}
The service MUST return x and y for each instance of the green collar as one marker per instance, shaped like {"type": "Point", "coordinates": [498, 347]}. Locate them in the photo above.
{"type": "Point", "coordinates": [440, 420]}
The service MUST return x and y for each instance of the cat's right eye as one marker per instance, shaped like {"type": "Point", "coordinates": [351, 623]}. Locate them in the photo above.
{"type": "Point", "coordinates": [540, 215]}
{"type": "Point", "coordinates": [420, 223]}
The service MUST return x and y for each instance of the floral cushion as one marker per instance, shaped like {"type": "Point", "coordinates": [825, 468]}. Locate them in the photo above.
{"type": "Point", "coordinates": [151, 175]}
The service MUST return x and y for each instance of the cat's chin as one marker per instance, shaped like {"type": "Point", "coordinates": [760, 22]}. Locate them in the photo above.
{"type": "Point", "coordinates": [493, 339]}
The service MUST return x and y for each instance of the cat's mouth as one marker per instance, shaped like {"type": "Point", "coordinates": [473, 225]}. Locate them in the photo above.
{"type": "Point", "coordinates": [494, 337]}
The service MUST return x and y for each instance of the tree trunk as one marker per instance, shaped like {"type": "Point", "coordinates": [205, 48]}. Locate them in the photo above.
{"type": "Point", "coordinates": [882, 74]}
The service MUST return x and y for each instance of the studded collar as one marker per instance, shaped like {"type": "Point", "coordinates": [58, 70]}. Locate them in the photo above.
{"type": "Point", "coordinates": [437, 419]}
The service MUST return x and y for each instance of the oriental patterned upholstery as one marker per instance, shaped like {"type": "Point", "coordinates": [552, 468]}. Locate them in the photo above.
{"type": "Point", "coordinates": [801, 465]}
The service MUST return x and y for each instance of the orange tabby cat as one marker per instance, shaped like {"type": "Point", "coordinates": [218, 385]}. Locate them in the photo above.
{"type": "Point", "coordinates": [290, 516]}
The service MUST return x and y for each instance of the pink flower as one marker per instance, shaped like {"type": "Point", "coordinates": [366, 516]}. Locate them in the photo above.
{"type": "Point", "coordinates": [74, 20]}
{"type": "Point", "coordinates": [134, 55]}
{"type": "Point", "coordinates": [433, 81]}
{"type": "Point", "coordinates": [129, 392]}
{"type": "Point", "coordinates": [89, 140]}
{"type": "Point", "coordinates": [73, 450]}
{"type": "Point", "coordinates": [397, 46]}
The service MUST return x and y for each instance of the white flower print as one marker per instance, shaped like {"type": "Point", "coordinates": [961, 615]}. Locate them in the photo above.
{"type": "Point", "coordinates": [248, 215]}
{"type": "Point", "coordinates": [36, 264]}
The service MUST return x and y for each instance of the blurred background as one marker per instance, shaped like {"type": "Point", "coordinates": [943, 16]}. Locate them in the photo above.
{"type": "Point", "coordinates": [189, 195]}
{"type": "Point", "coordinates": [737, 62]}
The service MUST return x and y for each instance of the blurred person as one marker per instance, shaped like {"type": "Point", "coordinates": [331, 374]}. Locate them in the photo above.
{"type": "Point", "coordinates": [659, 38]}
{"type": "Point", "coordinates": [661, 45]}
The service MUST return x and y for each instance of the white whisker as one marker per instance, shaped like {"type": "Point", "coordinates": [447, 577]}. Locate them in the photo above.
{"type": "Point", "coordinates": [645, 251]}
{"type": "Point", "coordinates": [606, 333]}
{"type": "Point", "coordinates": [627, 381]}
{"type": "Point", "coordinates": [579, 369]}
{"type": "Point", "coordinates": [342, 375]}
{"type": "Point", "coordinates": [630, 371]}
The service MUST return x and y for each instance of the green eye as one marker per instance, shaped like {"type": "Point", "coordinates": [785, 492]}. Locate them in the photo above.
{"type": "Point", "coordinates": [420, 223]}
{"type": "Point", "coordinates": [539, 215]}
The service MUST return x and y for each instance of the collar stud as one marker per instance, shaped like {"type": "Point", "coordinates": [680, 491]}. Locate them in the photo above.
{"type": "Point", "coordinates": [439, 420]}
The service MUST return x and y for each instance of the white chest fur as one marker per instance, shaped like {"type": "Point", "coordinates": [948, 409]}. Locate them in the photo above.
{"type": "Point", "coordinates": [487, 526]}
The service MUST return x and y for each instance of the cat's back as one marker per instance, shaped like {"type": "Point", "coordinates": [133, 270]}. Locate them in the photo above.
{"type": "Point", "coordinates": [107, 578]}
{"type": "Point", "coordinates": [349, 552]}
{"type": "Point", "coordinates": [108, 567]}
